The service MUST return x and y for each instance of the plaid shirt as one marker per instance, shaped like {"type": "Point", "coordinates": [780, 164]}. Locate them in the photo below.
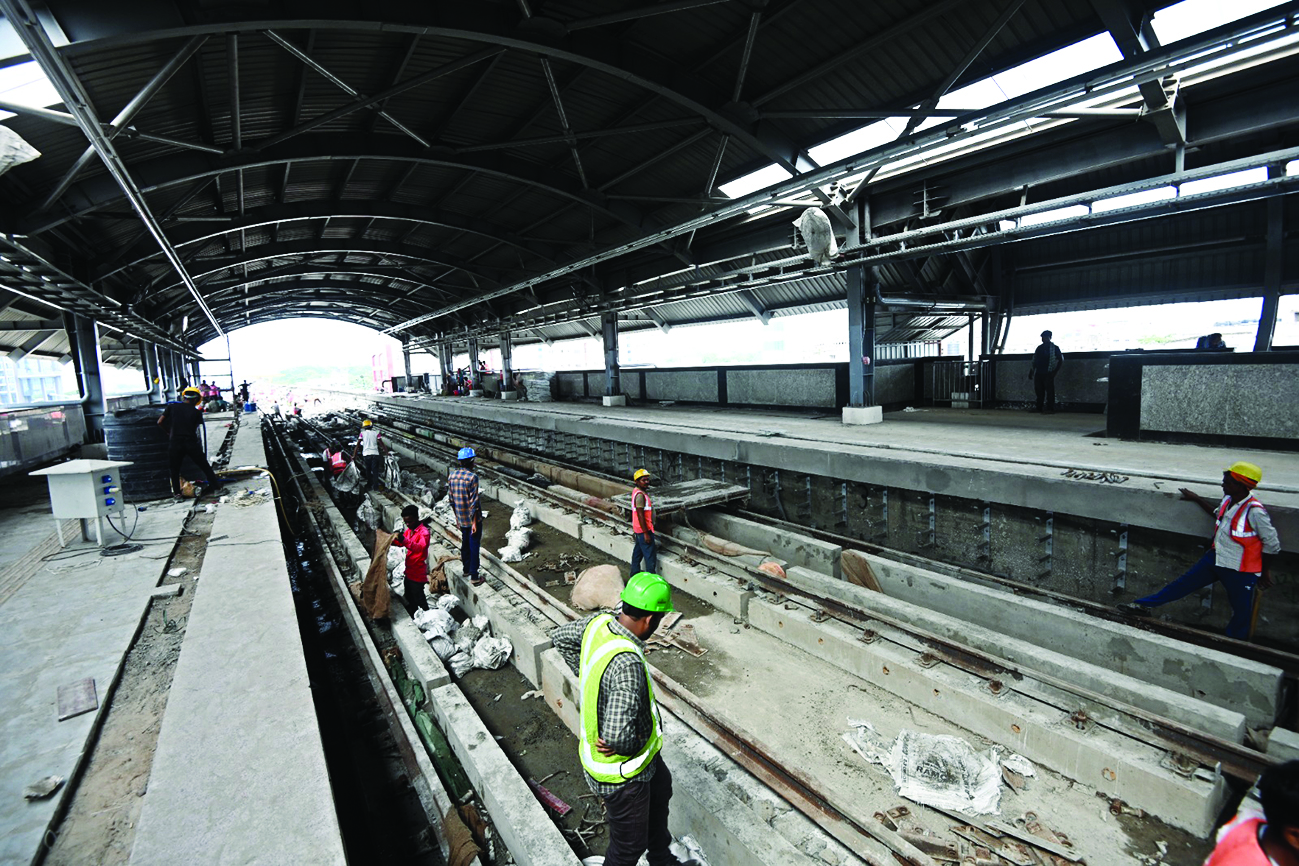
{"type": "Point", "coordinates": [462, 488]}
{"type": "Point", "coordinates": [624, 707]}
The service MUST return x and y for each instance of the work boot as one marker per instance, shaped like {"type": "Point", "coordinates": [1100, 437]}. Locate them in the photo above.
{"type": "Point", "coordinates": [1132, 608]}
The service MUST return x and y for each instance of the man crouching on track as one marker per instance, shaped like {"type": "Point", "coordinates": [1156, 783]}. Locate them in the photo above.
{"type": "Point", "coordinates": [621, 732]}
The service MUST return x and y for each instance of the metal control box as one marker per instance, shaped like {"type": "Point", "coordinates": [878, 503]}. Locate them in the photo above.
{"type": "Point", "coordinates": [85, 489]}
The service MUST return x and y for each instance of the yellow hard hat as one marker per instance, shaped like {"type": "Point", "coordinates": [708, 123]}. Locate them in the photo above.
{"type": "Point", "coordinates": [367, 423]}
{"type": "Point", "coordinates": [191, 391]}
{"type": "Point", "coordinates": [1246, 470]}
{"type": "Point", "coordinates": [640, 473]}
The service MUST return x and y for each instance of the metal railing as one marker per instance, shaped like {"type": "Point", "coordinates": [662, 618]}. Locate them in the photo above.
{"type": "Point", "coordinates": [959, 383]}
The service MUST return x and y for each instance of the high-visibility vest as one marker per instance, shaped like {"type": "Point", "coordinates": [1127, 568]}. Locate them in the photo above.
{"type": "Point", "coordinates": [1239, 846]}
{"type": "Point", "coordinates": [600, 643]}
{"type": "Point", "coordinates": [1242, 532]}
{"type": "Point", "coordinates": [649, 512]}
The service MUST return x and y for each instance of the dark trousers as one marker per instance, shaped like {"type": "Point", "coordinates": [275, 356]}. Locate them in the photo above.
{"type": "Point", "coordinates": [644, 554]}
{"type": "Point", "coordinates": [177, 451]}
{"type": "Point", "coordinates": [415, 597]}
{"type": "Point", "coordinates": [1240, 587]}
{"type": "Point", "coordinates": [470, 542]}
{"type": "Point", "coordinates": [637, 814]}
{"type": "Point", "coordinates": [1044, 385]}
{"type": "Point", "coordinates": [373, 468]}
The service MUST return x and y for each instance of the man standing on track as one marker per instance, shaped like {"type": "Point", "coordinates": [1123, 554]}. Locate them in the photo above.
{"type": "Point", "coordinates": [621, 730]}
{"type": "Point", "coordinates": [181, 421]}
{"type": "Point", "coordinates": [462, 489]}
{"type": "Point", "coordinates": [1244, 543]}
{"type": "Point", "coordinates": [370, 444]}
{"type": "Point", "coordinates": [415, 538]}
{"type": "Point", "coordinates": [645, 552]}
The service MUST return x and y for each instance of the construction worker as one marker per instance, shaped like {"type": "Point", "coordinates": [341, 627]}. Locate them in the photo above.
{"type": "Point", "coordinates": [644, 552]}
{"type": "Point", "coordinates": [415, 538]}
{"type": "Point", "coordinates": [1244, 544]}
{"type": "Point", "coordinates": [372, 447]}
{"type": "Point", "coordinates": [621, 731]}
{"type": "Point", "coordinates": [462, 490]}
{"type": "Point", "coordinates": [1268, 840]}
{"type": "Point", "coordinates": [181, 421]}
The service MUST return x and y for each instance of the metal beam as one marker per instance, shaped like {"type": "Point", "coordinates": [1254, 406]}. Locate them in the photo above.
{"type": "Point", "coordinates": [659, 321]}
{"type": "Point", "coordinates": [127, 114]}
{"type": "Point", "coordinates": [341, 84]}
{"type": "Point", "coordinates": [32, 32]}
{"type": "Point", "coordinates": [638, 13]}
{"type": "Point", "coordinates": [1273, 266]}
{"type": "Point", "coordinates": [31, 325]}
{"type": "Point", "coordinates": [32, 343]}
{"type": "Point", "coordinates": [571, 136]}
{"type": "Point", "coordinates": [761, 313]}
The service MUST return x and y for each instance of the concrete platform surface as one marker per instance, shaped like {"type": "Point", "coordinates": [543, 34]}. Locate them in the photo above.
{"type": "Point", "coordinates": [73, 615]}
{"type": "Point", "coordinates": [239, 775]}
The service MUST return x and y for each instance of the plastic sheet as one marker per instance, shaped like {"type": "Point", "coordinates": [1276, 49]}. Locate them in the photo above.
{"type": "Point", "coordinates": [14, 150]}
{"type": "Point", "coordinates": [936, 770]}
{"type": "Point", "coordinates": [491, 653]}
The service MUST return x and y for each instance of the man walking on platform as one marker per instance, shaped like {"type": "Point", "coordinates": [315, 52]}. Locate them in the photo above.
{"type": "Point", "coordinates": [645, 552]}
{"type": "Point", "coordinates": [621, 731]}
{"type": "Point", "coordinates": [1047, 361]}
{"type": "Point", "coordinates": [1244, 543]}
{"type": "Point", "coordinates": [181, 421]}
{"type": "Point", "coordinates": [462, 489]}
{"type": "Point", "coordinates": [415, 538]}
{"type": "Point", "coordinates": [370, 444]}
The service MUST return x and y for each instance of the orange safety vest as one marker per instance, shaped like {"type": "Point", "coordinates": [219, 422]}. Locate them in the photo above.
{"type": "Point", "coordinates": [1251, 561]}
{"type": "Point", "coordinates": [1239, 846]}
{"type": "Point", "coordinates": [649, 512]}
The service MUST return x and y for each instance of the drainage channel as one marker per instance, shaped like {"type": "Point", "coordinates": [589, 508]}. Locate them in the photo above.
{"type": "Point", "coordinates": [379, 812]}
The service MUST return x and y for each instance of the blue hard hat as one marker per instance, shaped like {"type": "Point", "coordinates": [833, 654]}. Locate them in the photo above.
{"type": "Point", "coordinates": [465, 454]}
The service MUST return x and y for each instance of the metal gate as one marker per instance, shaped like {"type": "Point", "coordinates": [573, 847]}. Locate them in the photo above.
{"type": "Point", "coordinates": [959, 383]}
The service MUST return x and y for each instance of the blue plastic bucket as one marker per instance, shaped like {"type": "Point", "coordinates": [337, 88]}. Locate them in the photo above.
{"type": "Point", "coordinates": [250, 407]}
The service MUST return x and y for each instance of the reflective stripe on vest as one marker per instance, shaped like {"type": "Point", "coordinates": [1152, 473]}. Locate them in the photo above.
{"type": "Point", "coordinates": [648, 509]}
{"type": "Point", "coordinates": [600, 643]}
{"type": "Point", "coordinates": [1239, 846]}
{"type": "Point", "coordinates": [1243, 533]}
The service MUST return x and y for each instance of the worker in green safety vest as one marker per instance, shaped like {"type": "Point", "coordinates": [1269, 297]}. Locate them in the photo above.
{"type": "Point", "coordinates": [621, 729]}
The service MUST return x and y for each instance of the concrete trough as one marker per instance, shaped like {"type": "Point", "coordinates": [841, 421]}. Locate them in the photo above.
{"type": "Point", "coordinates": [800, 550]}
{"type": "Point", "coordinates": [1228, 681]}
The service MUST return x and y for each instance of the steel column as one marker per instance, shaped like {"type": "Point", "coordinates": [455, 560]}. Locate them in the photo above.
{"type": "Point", "coordinates": [83, 344]}
{"type": "Point", "coordinates": [405, 357]}
{"type": "Point", "coordinates": [861, 336]}
{"type": "Point", "coordinates": [507, 362]}
{"type": "Point", "coordinates": [1273, 262]}
{"type": "Point", "coordinates": [612, 373]}
{"type": "Point", "coordinates": [444, 365]}
{"type": "Point", "coordinates": [475, 380]}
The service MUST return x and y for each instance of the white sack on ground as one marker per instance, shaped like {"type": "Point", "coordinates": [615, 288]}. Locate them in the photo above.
{"type": "Point", "coordinates": [449, 603]}
{"type": "Point", "coordinates": [483, 624]}
{"type": "Point", "coordinates": [516, 541]}
{"type": "Point", "coordinates": [442, 645]}
{"type": "Point", "coordinates": [491, 653]}
{"type": "Point", "coordinates": [520, 517]}
{"type": "Point", "coordinates": [435, 621]}
{"type": "Point", "coordinates": [466, 636]}
{"type": "Point", "coordinates": [936, 770]}
{"type": "Point", "coordinates": [598, 588]}
{"type": "Point", "coordinates": [460, 664]}
{"type": "Point", "coordinates": [367, 514]}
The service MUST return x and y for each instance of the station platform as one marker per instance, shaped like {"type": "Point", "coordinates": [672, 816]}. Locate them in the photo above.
{"type": "Point", "coordinates": [999, 456]}
{"type": "Point", "coordinates": [238, 773]}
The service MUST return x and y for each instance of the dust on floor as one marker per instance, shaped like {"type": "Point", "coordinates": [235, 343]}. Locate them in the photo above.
{"type": "Point", "coordinates": [99, 826]}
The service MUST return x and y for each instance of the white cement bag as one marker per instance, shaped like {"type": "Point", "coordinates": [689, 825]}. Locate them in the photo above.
{"type": "Point", "coordinates": [491, 653]}
{"type": "Point", "coordinates": [391, 475]}
{"type": "Point", "coordinates": [397, 561]}
{"type": "Point", "coordinates": [349, 480]}
{"type": "Point", "coordinates": [435, 621]}
{"type": "Point", "coordinates": [936, 770]}
{"type": "Point", "coordinates": [398, 586]}
{"type": "Point", "coordinates": [516, 541]}
{"type": "Point", "coordinates": [483, 624]}
{"type": "Point", "coordinates": [460, 664]}
{"type": "Point", "coordinates": [442, 645]}
{"type": "Point", "coordinates": [466, 636]}
{"type": "Point", "coordinates": [520, 516]}
{"type": "Point", "coordinates": [598, 588]}
{"type": "Point", "coordinates": [449, 603]}
{"type": "Point", "coordinates": [367, 514]}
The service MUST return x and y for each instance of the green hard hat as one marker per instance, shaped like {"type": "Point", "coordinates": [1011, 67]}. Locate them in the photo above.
{"type": "Point", "coordinates": [648, 591]}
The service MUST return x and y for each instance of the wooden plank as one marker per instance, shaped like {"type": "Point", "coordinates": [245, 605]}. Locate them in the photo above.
{"type": "Point", "coordinates": [77, 698]}
{"type": "Point", "coordinates": [857, 570]}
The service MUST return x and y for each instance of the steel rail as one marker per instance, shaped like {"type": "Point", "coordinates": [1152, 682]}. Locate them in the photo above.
{"type": "Point", "coordinates": [1235, 759]}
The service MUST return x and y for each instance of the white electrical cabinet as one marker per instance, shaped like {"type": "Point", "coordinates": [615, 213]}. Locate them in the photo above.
{"type": "Point", "coordinates": [85, 489]}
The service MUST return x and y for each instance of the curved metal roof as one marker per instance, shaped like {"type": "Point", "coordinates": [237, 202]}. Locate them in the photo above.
{"type": "Point", "coordinates": [441, 169]}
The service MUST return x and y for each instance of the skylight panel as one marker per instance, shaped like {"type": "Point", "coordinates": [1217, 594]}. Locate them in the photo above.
{"type": "Point", "coordinates": [1191, 17]}
{"type": "Point", "coordinates": [1076, 59]}
{"type": "Point", "coordinates": [1059, 213]}
{"type": "Point", "coordinates": [26, 84]}
{"type": "Point", "coordinates": [1146, 196]}
{"type": "Point", "coordinates": [754, 181]}
{"type": "Point", "coordinates": [857, 141]}
{"type": "Point", "coordinates": [1224, 181]}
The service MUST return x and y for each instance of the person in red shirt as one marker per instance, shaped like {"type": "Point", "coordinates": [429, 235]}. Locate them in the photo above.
{"type": "Point", "coordinates": [415, 538]}
{"type": "Point", "coordinates": [1272, 840]}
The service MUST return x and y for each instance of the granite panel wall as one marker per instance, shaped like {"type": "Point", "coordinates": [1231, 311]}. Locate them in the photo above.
{"type": "Point", "coordinates": [569, 386]}
{"type": "Point", "coordinates": [1224, 400]}
{"type": "Point", "coordinates": [806, 387]}
{"type": "Point", "coordinates": [699, 386]}
{"type": "Point", "coordinates": [895, 383]}
{"type": "Point", "coordinates": [1075, 383]}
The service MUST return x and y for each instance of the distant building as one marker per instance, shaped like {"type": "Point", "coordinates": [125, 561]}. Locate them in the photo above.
{"type": "Point", "coordinates": [31, 380]}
